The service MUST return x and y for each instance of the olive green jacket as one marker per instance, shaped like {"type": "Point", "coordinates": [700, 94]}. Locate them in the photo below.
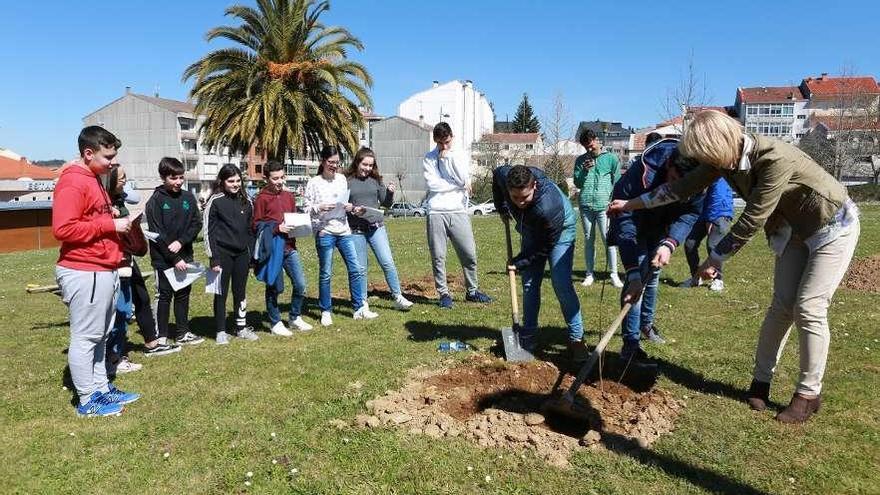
{"type": "Point", "coordinates": [780, 184]}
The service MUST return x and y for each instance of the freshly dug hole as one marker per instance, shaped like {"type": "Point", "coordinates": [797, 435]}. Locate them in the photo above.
{"type": "Point", "coordinates": [498, 404]}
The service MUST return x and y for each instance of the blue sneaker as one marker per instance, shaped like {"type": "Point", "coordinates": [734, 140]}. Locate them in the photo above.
{"type": "Point", "coordinates": [446, 301]}
{"type": "Point", "coordinates": [478, 297]}
{"type": "Point", "coordinates": [97, 407]}
{"type": "Point", "coordinates": [116, 396]}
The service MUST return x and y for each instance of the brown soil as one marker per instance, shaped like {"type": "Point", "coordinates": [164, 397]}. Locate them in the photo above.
{"type": "Point", "coordinates": [498, 404]}
{"type": "Point", "coordinates": [864, 274]}
{"type": "Point", "coordinates": [419, 287]}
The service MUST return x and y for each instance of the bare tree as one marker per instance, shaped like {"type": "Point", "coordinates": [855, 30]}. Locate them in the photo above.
{"type": "Point", "coordinates": [400, 174]}
{"type": "Point", "coordinates": [690, 92]}
{"type": "Point", "coordinates": [848, 135]}
{"type": "Point", "coordinates": [557, 127]}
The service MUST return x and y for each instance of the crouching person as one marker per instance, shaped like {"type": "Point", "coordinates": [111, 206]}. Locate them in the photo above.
{"type": "Point", "coordinates": [546, 221]}
{"type": "Point", "coordinates": [655, 233]}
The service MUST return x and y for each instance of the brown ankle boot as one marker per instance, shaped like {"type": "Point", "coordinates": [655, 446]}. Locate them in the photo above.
{"type": "Point", "coordinates": [799, 409]}
{"type": "Point", "coordinates": [759, 395]}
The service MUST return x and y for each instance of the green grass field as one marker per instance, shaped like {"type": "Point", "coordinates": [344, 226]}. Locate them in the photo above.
{"type": "Point", "coordinates": [211, 414]}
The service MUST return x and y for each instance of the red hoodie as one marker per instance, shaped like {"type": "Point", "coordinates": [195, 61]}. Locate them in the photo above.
{"type": "Point", "coordinates": [82, 221]}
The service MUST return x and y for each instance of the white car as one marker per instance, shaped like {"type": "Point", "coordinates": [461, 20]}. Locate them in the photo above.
{"type": "Point", "coordinates": [481, 209]}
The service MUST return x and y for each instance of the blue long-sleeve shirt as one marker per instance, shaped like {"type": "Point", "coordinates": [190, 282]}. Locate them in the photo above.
{"type": "Point", "coordinates": [638, 232]}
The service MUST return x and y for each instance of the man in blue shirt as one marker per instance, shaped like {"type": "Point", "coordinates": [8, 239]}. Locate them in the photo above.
{"type": "Point", "coordinates": [546, 221]}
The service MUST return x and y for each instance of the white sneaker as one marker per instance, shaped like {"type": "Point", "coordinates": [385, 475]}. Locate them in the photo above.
{"type": "Point", "coordinates": [222, 338]}
{"type": "Point", "coordinates": [402, 303]}
{"type": "Point", "coordinates": [326, 318]}
{"type": "Point", "coordinates": [691, 282]}
{"type": "Point", "coordinates": [615, 280]}
{"type": "Point", "coordinates": [280, 329]}
{"type": "Point", "coordinates": [717, 285]}
{"type": "Point", "coordinates": [588, 280]}
{"type": "Point", "coordinates": [300, 324]}
{"type": "Point", "coordinates": [126, 366]}
{"type": "Point", "coordinates": [365, 314]}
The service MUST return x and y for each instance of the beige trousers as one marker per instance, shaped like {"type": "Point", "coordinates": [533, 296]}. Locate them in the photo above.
{"type": "Point", "coordinates": [803, 285]}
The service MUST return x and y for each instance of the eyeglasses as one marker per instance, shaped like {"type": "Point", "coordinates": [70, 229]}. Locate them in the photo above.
{"type": "Point", "coordinates": [333, 162]}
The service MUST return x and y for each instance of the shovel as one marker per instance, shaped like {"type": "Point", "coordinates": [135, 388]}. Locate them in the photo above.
{"type": "Point", "coordinates": [513, 350]}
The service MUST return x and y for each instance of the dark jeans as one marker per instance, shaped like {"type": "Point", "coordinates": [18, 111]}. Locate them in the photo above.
{"type": "Point", "coordinates": [143, 310]}
{"type": "Point", "coordinates": [713, 231]}
{"type": "Point", "coordinates": [235, 268]}
{"type": "Point", "coordinates": [163, 306]}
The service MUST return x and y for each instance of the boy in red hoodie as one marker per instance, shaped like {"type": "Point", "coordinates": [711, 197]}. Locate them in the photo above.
{"type": "Point", "coordinates": [90, 252]}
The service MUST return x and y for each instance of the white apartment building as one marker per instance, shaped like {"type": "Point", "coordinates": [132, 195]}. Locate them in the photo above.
{"type": "Point", "coordinates": [779, 112]}
{"type": "Point", "coordinates": [457, 103]}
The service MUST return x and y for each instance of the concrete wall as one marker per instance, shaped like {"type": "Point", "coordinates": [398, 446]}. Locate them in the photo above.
{"type": "Point", "coordinates": [400, 146]}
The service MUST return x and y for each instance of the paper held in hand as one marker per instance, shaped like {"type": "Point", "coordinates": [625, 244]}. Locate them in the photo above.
{"type": "Point", "coordinates": [372, 215]}
{"type": "Point", "coordinates": [180, 279]}
{"type": "Point", "coordinates": [212, 282]}
{"type": "Point", "coordinates": [300, 224]}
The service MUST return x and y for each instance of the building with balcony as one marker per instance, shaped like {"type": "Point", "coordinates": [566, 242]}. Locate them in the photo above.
{"type": "Point", "coordinates": [613, 136]}
{"type": "Point", "coordinates": [780, 111]}
{"type": "Point", "coordinates": [151, 128]}
{"type": "Point", "coordinates": [507, 148]}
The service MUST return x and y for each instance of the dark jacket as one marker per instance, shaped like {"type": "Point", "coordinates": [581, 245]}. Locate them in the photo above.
{"type": "Point", "coordinates": [547, 220]}
{"type": "Point", "coordinates": [227, 226]}
{"type": "Point", "coordinates": [175, 217]}
{"type": "Point", "coordinates": [640, 232]}
{"type": "Point", "coordinates": [269, 255]}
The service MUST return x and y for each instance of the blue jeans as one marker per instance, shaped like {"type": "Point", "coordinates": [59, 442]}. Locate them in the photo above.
{"type": "Point", "coordinates": [641, 314]}
{"type": "Point", "coordinates": [378, 241]}
{"type": "Point", "coordinates": [324, 244]}
{"type": "Point", "coordinates": [294, 270]}
{"type": "Point", "coordinates": [594, 221]}
{"type": "Point", "coordinates": [117, 337]}
{"type": "Point", "coordinates": [713, 232]}
{"type": "Point", "coordinates": [561, 260]}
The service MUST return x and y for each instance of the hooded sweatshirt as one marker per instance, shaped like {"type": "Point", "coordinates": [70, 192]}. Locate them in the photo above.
{"type": "Point", "coordinates": [83, 222]}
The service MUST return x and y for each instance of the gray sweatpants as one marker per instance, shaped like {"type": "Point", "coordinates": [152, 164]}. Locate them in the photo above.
{"type": "Point", "coordinates": [91, 298]}
{"type": "Point", "coordinates": [456, 227]}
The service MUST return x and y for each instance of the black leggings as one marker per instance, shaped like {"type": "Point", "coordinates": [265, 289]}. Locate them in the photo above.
{"type": "Point", "coordinates": [143, 311]}
{"type": "Point", "coordinates": [163, 306]}
{"type": "Point", "coordinates": [235, 267]}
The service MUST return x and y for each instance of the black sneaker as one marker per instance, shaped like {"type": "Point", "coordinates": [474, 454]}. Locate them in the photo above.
{"type": "Point", "coordinates": [478, 297]}
{"type": "Point", "coordinates": [190, 338]}
{"type": "Point", "coordinates": [161, 350]}
{"type": "Point", "coordinates": [633, 355]}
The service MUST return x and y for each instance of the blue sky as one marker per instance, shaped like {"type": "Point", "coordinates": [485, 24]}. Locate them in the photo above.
{"type": "Point", "coordinates": [609, 60]}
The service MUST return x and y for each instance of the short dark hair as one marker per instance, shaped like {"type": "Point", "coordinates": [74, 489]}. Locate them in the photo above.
{"type": "Point", "coordinates": [272, 166]}
{"type": "Point", "coordinates": [170, 166]}
{"type": "Point", "coordinates": [587, 137]}
{"type": "Point", "coordinates": [652, 137]}
{"type": "Point", "coordinates": [442, 131]}
{"type": "Point", "coordinates": [519, 177]}
{"type": "Point", "coordinates": [94, 137]}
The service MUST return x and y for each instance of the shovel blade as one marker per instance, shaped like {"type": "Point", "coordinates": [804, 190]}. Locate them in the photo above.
{"type": "Point", "coordinates": [513, 351]}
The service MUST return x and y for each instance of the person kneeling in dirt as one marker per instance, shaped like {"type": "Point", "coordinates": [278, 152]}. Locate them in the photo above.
{"type": "Point", "coordinates": [653, 233]}
{"type": "Point", "coordinates": [546, 221]}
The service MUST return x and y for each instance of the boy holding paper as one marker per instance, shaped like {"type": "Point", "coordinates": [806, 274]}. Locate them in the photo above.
{"type": "Point", "coordinates": [270, 208]}
{"type": "Point", "coordinates": [173, 214]}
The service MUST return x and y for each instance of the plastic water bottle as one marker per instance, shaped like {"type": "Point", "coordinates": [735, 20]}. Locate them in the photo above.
{"type": "Point", "coordinates": [453, 346]}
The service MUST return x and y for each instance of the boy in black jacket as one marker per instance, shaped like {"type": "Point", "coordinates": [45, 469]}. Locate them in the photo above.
{"type": "Point", "coordinates": [173, 214]}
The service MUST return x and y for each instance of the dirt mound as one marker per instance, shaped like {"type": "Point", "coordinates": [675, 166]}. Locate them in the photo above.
{"type": "Point", "coordinates": [864, 274]}
{"type": "Point", "coordinates": [498, 404]}
{"type": "Point", "coordinates": [419, 287]}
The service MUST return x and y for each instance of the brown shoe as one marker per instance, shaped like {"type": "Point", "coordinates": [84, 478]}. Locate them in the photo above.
{"type": "Point", "coordinates": [759, 395]}
{"type": "Point", "coordinates": [799, 409]}
{"type": "Point", "coordinates": [578, 351]}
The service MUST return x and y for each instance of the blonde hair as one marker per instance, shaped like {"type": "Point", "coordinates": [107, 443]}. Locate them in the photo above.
{"type": "Point", "coordinates": [713, 138]}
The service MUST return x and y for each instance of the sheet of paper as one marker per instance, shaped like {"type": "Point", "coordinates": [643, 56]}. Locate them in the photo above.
{"type": "Point", "coordinates": [300, 224]}
{"type": "Point", "coordinates": [373, 215]}
{"type": "Point", "coordinates": [151, 236]}
{"type": "Point", "coordinates": [212, 282]}
{"type": "Point", "coordinates": [180, 279]}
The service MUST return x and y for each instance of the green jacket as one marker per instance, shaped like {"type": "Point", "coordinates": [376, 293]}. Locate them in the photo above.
{"type": "Point", "coordinates": [783, 184]}
{"type": "Point", "coordinates": [595, 178]}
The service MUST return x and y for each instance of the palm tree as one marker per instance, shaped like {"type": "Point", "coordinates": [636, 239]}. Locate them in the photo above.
{"type": "Point", "coordinates": [288, 87]}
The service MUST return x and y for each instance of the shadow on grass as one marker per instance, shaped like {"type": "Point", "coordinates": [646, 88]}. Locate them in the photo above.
{"type": "Point", "coordinates": [60, 325]}
{"type": "Point", "coordinates": [523, 402]}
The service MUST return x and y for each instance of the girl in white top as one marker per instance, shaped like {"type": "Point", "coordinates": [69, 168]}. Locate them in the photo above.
{"type": "Point", "coordinates": [327, 202]}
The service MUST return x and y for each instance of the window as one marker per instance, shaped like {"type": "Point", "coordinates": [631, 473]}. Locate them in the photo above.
{"type": "Point", "coordinates": [190, 164]}
{"type": "Point", "coordinates": [186, 124]}
{"type": "Point", "coordinates": [506, 147]}
{"type": "Point", "coordinates": [801, 117]}
{"type": "Point", "coordinates": [258, 168]}
{"type": "Point", "coordinates": [189, 145]}
{"type": "Point", "coordinates": [530, 146]}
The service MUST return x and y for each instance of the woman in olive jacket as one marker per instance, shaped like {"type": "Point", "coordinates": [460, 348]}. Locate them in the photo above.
{"type": "Point", "coordinates": [811, 225]}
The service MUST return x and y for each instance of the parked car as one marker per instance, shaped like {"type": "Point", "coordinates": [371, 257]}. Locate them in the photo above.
{"type": "Point", "coordinates": [406, 210]}
{"type": "Point", "coordinates": [481, 209]}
